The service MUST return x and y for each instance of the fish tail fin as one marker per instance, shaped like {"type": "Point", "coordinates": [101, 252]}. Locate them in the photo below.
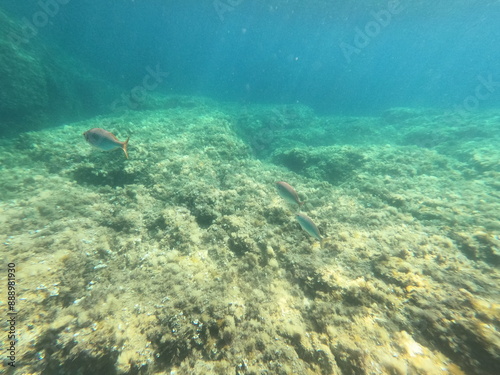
{"type": "Point", "coordinates": [301, 203]}
{"type": "Point", "coordinates": [124, 147]}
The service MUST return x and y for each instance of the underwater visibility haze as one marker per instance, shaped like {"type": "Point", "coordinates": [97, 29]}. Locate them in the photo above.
{"type": "Point", "coordinates": [250, 187]}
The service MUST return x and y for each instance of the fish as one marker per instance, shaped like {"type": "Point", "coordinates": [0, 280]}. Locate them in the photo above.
{"type": "Point", "coordinates": [307, 224]}
{"type": "Point", "coordinates": [288, 193]}
{"type": "Point", "coordinates": [104, 140]}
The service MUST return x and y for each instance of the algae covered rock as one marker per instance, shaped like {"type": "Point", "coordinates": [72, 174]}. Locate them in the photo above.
{"type": "Point", "coordinates": [24, 93]}
{"type": "Point", "coordinates": [184, 259]}
{"type": "Point", "coordinates": [41, 85]}
{"type": "Point", "coordinates": [333, 164]}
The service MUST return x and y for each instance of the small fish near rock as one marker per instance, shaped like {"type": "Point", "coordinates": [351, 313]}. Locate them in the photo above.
{"type": "Point", "coordinates": [288, 193]}
{"type": "Point", "coordinates": [104, 140]}
{"type": "Point", "coordinates": [308, 225]}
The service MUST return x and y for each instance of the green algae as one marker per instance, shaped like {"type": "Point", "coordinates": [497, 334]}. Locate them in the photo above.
{"type": "Point", "coordinates": [184, 259]}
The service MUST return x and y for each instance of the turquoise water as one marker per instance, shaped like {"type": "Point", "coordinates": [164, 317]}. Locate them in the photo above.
{"type": "Point", "coordinates": [348, 57]}
{"type": "Point", "coordinates": [381, 117]}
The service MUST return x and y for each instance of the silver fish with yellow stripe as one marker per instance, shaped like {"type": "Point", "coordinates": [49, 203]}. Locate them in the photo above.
{"type": "Point", "coordinates": [308, 225]}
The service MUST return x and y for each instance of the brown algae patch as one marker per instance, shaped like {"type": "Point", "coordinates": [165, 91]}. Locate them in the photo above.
{"type": "Point", "coordinates": [183, 259]}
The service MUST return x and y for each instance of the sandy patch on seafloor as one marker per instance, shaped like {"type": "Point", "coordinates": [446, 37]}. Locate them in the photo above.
{"type": "Point", "coordinates": [184, 260]}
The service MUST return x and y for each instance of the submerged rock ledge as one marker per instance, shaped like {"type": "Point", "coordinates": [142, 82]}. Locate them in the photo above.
{"type": "Point", "coordinates": [183, 259]}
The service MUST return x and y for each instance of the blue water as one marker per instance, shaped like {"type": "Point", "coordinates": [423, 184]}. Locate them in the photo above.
{"type": "Point", "coordinates": [421, 54]}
